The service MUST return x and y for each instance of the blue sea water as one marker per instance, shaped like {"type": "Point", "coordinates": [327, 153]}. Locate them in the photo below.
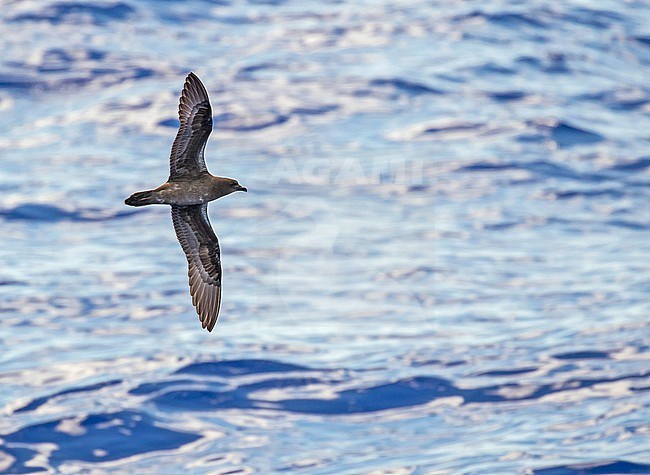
{"type": "Point", "coordinates": [442, 265]}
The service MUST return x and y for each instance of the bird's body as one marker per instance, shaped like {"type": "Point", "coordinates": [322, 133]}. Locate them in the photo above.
{"type": "Point", "coordinates": [184, 192]}
{"type": "Point", "coordinates": [188, 190]}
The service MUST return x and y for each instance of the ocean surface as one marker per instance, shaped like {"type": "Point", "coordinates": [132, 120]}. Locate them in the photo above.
{"type": "Point", "coordinates": [442, 265]}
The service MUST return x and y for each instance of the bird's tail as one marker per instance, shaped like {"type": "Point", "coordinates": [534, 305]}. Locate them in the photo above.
{"type": "Point", "coordinates": [142, 198]}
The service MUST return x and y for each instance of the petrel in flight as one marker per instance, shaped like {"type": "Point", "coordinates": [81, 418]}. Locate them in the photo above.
{"type": "Point", "coordinates": [188, 190]}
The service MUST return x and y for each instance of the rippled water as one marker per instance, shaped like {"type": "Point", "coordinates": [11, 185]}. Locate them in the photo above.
{"type": "Point", "coordinates": [441, 266]}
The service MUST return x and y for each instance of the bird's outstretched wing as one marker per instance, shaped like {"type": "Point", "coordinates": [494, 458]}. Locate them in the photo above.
{"type": "Point", "coordinates": [195, 115]}
{"type": "Point", "coordinates": [201, 247]}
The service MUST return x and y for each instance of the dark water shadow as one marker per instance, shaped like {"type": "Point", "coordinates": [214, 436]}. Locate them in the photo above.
{"type": "Point", "coordinates": [93, 438]}
{"type": "Point", "coordinates": [38, 402]}
{"type": "Point", "coordinates": [616, 467]}
{"type": "Point", "coordinates": [76, 12]}
{"type": "Point", "coordinates": [185, 395]}
{"type": "Point", "coordinates": [54, 214]}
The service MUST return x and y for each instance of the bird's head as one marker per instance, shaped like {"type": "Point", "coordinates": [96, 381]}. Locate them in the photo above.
{"type": "Point", "coordinates": [226, 186]}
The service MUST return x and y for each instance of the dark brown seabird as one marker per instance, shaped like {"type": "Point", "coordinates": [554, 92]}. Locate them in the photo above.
{"type": "Point", "coordinates": [188, 190]}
